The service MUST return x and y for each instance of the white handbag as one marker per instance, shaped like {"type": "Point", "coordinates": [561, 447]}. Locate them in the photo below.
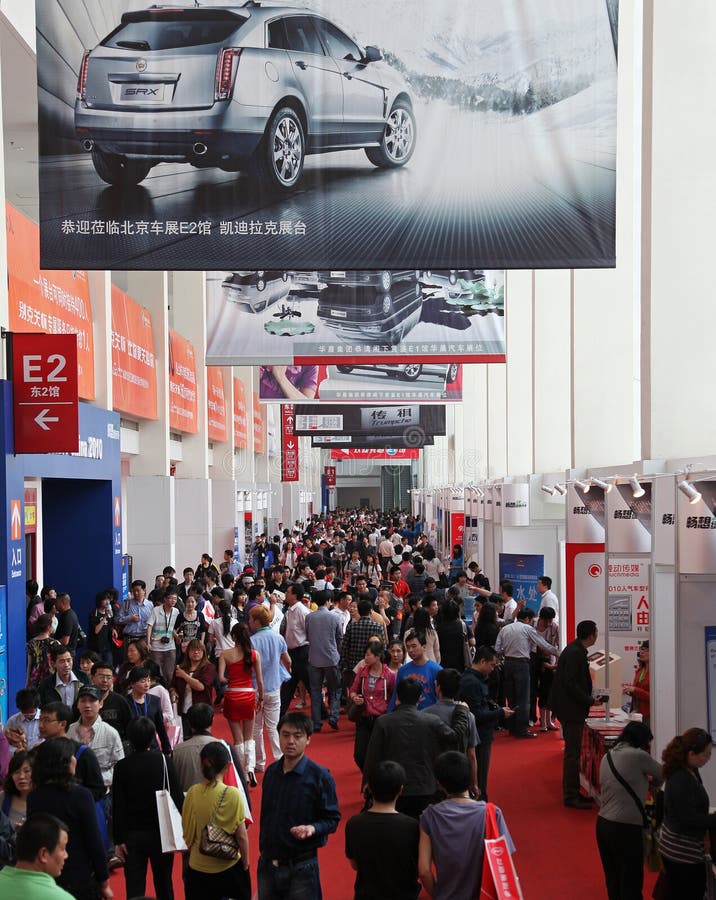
{"type": "Point", "coordinates": [170, 827]}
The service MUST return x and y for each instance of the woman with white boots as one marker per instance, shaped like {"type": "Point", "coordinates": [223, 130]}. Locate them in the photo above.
{"type": "Point", "coordinates": [236, 668]}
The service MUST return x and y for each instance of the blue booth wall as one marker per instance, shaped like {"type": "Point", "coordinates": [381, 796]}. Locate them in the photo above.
{"type": "Point", "coordinates": [81, 533]}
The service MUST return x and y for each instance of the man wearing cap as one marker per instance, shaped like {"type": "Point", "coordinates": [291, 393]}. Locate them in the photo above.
{"type": "Point", "coordinates": [101, 738]}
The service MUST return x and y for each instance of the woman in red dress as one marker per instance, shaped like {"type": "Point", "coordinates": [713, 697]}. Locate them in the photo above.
{"type": "Point", "coordinates": [238, 667]}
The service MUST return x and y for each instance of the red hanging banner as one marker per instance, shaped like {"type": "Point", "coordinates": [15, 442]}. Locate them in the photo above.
{"type": "Point", "coordinates": [289, 445]}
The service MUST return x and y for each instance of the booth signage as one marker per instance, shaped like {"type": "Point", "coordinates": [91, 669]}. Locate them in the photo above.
{"type": "Point", "coordinates": [330, 473]}
{"type": "Point", "coordinates": [366, 453]}
{"type": "Point", "coordinates": [45, 393]}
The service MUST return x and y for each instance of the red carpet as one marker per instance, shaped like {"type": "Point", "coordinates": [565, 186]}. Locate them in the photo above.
{"type": "Point", "coordinates": [556, 856]}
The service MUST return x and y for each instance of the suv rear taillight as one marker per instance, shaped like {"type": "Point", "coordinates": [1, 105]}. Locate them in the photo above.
{"type": "Point", "coordinates": [226, 66]}
{"type": "Point", "coordinates": [82, 77]}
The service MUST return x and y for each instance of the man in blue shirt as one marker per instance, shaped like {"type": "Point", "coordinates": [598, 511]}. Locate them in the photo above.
{"type": "Point", "coordinates": [420, 667]}
{"type": "Point", "coordinates": [134, 614]}
{"type": "Point", "coordinates": [299, 809]}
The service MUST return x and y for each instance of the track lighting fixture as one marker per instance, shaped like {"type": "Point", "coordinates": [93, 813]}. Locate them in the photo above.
{"type": "Point", "coordinates": [606, 487]}
{"type": "Point", "coordinates": [548, 490]}
{"type": "Point", "coordinates": [561, 489]}
{"type": "Point", "coordinates": [582, 485]}
{"type": "Point", "coordinates": [689, 491]}
{"type": "Point", "coordinates": [636, 489]}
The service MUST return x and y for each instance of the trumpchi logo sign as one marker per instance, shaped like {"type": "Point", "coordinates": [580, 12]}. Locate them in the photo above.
{"type": "Point", "coordinates": [595, 570]}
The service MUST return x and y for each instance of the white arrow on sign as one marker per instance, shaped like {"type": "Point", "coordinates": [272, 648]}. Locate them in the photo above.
{"type": "Point", "coordinates": [42, 418]}
{"type": "Point", "coordinates": [15, 523]}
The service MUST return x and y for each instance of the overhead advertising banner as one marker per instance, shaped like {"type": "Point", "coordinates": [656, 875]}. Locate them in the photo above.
{"type": "Point", "coordinates": [183, 402]}
{"type": "Point", "coordinates": [515, 504]}
{"type": "Point", "coordinates": [289, 445]}
{"type": "Point", "coordinates": [258, 426]}
{"type": "Point", "coordinates": [386, 382]}
{"type": "Point", "coordinates": [48, 302]}
{"type": "Point", "coordinates": [216, 405]}
{"type": "Point", "coordinates": [411, 421]}
{"type": "Point", "coordinates": [241, 428]}
{"type": "Point", "coordinates": [409, 316]}
{"type": "Point", "coordinates": [697, 530]}
{"type": "Point", "coordinates": [629, 519]}
{"type": "Point", "coordinates": [412, 441]}
{"type": "Point", "coordinates": [134, 374]}
{"type": "Point", "coordinates": [465, 133]}
{"type": "Point", "coordinates": [339, 453]}
{"type": "Point", "coordinates": [523, 570]}
{"type": "Point", "coordinates": [585, 515]}
{"type": "Point", "coordinates": [330, 473]}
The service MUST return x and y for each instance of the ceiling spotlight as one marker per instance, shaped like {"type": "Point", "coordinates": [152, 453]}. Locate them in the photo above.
{"type": "Point", "coordinates": [636, 489]}
{"type": "Point", "coordinates": [480, 492]}
{"type": "Point", "coordinates": [561, 489]}
{"type": "Point", "coordinates": [548, 490]}
{"type": "Point", "coordinates": [597, 482]}
{"type": "Point", "coordinates": [582, 485]}
{"type": "Point", "coordinates": [689, 491]}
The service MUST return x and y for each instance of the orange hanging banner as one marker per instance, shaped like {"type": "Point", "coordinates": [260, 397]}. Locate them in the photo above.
{"type": "Point", "coordinates": [241, 431]}
{"type": "Point", "coordinates": [183, 402]}
{"type": "Point", "coordinates": [53, 302]}
{"type": "Point", "coordinates": [134, 374]}
{"type": "Point", "coordinates": [216, 405]}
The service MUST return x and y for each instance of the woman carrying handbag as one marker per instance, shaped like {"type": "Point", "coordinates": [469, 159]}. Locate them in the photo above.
{"type": "Point", "coordinates": [369, 696]}
{"type": "Point", "coordinates": [215, 832]}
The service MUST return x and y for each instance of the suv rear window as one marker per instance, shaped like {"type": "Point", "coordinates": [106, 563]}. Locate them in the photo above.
{"type": "Point", "coordinates": [171, 32]}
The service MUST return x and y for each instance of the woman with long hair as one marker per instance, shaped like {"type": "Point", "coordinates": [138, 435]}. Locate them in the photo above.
{"type": "Point", "coordinates": [686, 815]}
{"type": "Point", "coordinates": [193, 681]}
{"type": "Point", "coordinates": [18, 784]}
{"type": "Point", "coordinates": [288, 557]}
{"type": "Point", "coordinates": [621, 820]}
{"type": "Point", "coordinates": [137, 653]}
{"type": "Point", "coordinates": [85, 874]}
{"type": "Point", "coordinates": [396, 654]}
{"type": "Point", "coordinates": [454, 637]}
{"type": "Point", "coordinates": [457, 563]}
{"type": "Point", "coordinates": [373, 570]}
{"type": "Point", "coordinates": [135, 822]}
{"type": "Point", "coordinates": [486, 628]}
{"type": "Point", "coordinates": [639, 689]}
{"type": "Point", "coordinates": [222, 805]}
{"type": "Point", "coordinates": [423, 622]}
{"type": "Point", "coordinates": [237, 667]}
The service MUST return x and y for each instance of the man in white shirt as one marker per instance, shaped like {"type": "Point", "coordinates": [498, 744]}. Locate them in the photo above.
{"type": "Point", "coordinates": [161, 634]}
{"type": "Point", "coordinates": [342, 609]}
{"type": "Point", "coordinates": [549, 598]}
{"type": "Point", "coordinates": [386, 550]}
{"type": "Point", "coordinates": [296, 641]}
{"type": "Point", "coordinates": [101, 738]}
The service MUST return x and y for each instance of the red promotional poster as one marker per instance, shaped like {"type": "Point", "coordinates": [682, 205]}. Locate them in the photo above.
{"type": "Point", "coordinates": [457, 527]}
{"type": "Point", "coordinates": [50, 302]}
{"type": "Point", "coordinates": [330, 473]}
{"type": "Point", "coordinates": [45, 398]}
{"type": "Point", "coordinates": [183, 403]}
{"type": "Point", "coordinates": [134, 374]}
{"type": "Point", "coordinates": [216, 405]}
{"type": "Point", "coordinates": [289, 445]}
{"type": "Point", "coordinates": [369, 453]}
{"type": "Point", "coordinates": [259, 443]}
{"type": "Point", "coordinates": [241, 431]}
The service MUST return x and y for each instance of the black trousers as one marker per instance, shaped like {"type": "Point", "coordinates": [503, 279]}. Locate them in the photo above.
{"type": "Point", "coordinates": [517, 690]}
{"type": "Point", "coordinates": [685, 881]}
{"type": "Point", "coordinates": [299, 672]}
{"type": "Point", "coordinates": [233, 883]}
{"type": "Point", "coordinates": [364, 729]}
{"type": "Point", "coordinates": [570, 768]}
{"type": "Point", "coordinates": [621, 849]}
{"type": "Point", "coordinates": [483, 752]}
{"type": "Point", "coordinates": [146, 847]}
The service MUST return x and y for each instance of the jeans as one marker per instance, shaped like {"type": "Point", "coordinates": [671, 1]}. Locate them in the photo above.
{"type": "Point", "coordinates": [146, 847]}
{"type": "Point", "coordinates": [316, 675]}
{"type": "Point", "coordinates": [266, 717]}
{"type": "Point", "coordinates": [572, 732]}
{"type": "Point", "coordinates": [517, 690]}
{"type": "Point", "coordinates": [295, 881]}
{"type": "Point", "coordinates": [621, 849]}
{"type": "Point", "coordinates": [299, 672]}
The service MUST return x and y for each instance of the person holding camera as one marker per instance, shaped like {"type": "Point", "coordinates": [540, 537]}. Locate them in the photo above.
{"type": "Point", "coordinates": [571, 698]}
{"type": "Point", "coordinates": [162, 636]}
{"type": "Point", "coordinates": [100, 628]}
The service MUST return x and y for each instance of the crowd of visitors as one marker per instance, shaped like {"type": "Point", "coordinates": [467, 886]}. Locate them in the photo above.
{"type": "Point", "coordinates": [349, 621]}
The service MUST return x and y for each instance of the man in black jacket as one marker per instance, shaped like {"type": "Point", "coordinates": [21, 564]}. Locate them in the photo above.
{"type": "Point", "coordinates": [475, 691]}
{"type": "Point", "coordinates": [415, 740]}
{"type": "Point", "coordinates": [570, 700]}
